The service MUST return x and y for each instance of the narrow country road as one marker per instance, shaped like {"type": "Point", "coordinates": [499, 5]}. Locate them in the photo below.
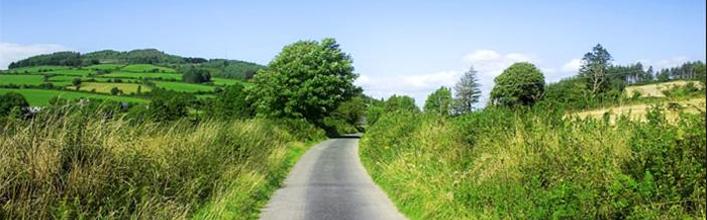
{"type": "Point", "coordinates": [329, 182]}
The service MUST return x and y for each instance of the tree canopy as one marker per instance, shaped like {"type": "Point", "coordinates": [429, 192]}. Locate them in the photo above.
{"type": "Point", "coordinates": [308, 79]}
{"type": "Point", "coordinates": [520, 84]}
{"type": "Point", "coordinates": [439, 102]}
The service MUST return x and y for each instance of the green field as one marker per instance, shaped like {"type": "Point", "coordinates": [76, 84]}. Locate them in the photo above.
{"type": "Point", "coordinates": [36, 69]}
{"type": "Point", "coordinates": [127, 88]}
{"type": "Point", "coordinates": [21, 79]}
{"type": "Point", "coordinates": [140, 68]}
{"type": "Point", "coordinates": [41, 97]}
{"type": "Point", "coordinates": [184, 87]}
{"type": "Point", "coordinates": [136, 75]}
{"type": "Point", "coordinates": [104, 67]}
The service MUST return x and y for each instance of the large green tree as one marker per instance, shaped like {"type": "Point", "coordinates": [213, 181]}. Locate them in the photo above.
{"type": "Point", "coordinates": [595, 68]}
{"type": "Point", "coordinates": [439, 102]}
{"type": "Point", "coordinates": [308, 79]}
{"type": "Point", "coordinates": [520, 84]}
{"type": "Point", "coordinates": [398, 103]}
{"type": "Point", "coordinates": [467, 91]}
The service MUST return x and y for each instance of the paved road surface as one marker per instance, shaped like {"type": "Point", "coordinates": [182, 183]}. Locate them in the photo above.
{"type": "Point", "coordinates": [329, 182]}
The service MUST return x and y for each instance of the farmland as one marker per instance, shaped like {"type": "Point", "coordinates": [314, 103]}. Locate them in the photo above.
{"type": "Point", "coordinates": [97, 81]}
{"type": "Point", "coordinates": [41, 97]}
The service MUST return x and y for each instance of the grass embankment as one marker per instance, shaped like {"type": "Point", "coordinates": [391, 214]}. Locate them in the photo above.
{"type": "Point", "coordinates": [500, 164]}
{"type": "Point", "coordinates": [74, 167]}
{"type": "Point", "coordinates": [41, 97]}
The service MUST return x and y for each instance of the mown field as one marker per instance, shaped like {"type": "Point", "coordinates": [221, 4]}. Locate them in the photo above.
{"type": "Point", "coordinates": [98, 81]}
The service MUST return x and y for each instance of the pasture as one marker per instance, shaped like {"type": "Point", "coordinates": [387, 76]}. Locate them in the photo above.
{"type": "Point", "coordinates": [41, 97]}
{"type": "Point", "coordinates": [99, 87]}
{"type": "Point", "coordinates": [21, 79]}
{"type": "Point", "coordinates": [184, 87]}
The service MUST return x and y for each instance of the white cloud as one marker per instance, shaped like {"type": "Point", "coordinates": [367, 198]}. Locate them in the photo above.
{"type": "Point", "coordinates": [572, 66]}
{"type": "Point", "coordinates": [10, 52]}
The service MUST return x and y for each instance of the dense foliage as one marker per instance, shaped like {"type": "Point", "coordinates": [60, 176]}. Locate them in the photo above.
{"type": "Point", "coordinates": [521, 84]}
{"type": "Point", "coordinates": [74, 164]}
{"type": "Point", "coordinates": [308, 79]}
{"type": "Point", "coordinates": [13, 103]}
{"type": "Point", "coordinates": [440, 102]}
{"type": "Point", "coordinates": [539, 165]}
{"type": "Point", "coordinates": [193, 74]}
{"type": "Point", "coordinates": [56, 59]}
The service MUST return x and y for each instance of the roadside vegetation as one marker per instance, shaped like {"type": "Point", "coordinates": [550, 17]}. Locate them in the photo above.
{"type": "Point", "coordinates": [538, 151]}
{"type": "Point", "coordinates": [151, 149]}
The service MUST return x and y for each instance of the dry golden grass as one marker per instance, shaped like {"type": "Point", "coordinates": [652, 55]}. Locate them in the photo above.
{"type": "Point", "coordinates": [638, 111]}
{"type": "Point", "coordinates": [656, 90]}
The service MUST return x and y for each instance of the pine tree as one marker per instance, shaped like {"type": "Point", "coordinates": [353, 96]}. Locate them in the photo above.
{"type": "Point", "coordinates": [467, 92]}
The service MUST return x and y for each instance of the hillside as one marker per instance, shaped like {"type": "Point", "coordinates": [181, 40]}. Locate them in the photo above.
{"type": "Point", "coordinates": [217, 67]}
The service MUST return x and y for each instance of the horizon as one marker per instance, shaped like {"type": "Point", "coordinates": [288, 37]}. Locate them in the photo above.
{"type": "Point", "coordinates": [420, 45]}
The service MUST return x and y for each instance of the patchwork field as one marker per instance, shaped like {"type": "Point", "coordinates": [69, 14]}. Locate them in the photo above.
{"type": "Point", "coordinates": [639, 111]}
{"type": "Point", "coordinates": [41, 97]}
{"type": "Point", "coordinates": [127, 88]}
{"type": "Point", "coordinates": [147, 68]}
{"type": "Point", "coordinates": [141, 75]}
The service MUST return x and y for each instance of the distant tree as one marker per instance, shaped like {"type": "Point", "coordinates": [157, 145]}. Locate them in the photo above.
{"type": "Point", "coordinates": [439, 102]}
{"type": "Point", "coordinates": [231, 103]}
{"type": "Point", "coordinates": [45, 77]}
{"type": "Point", "coordinates": [520, 84]}
{"type": "Point", "coordinates": [401, 103]}
{"type": "Point", "coordinates": [77, 83]}
{"type": "Point", "coordinates": [308, 79]}
{"type": "Point", "coordinates": [594, 69]}
{"type": "Point", "coordinates": [467, 92]}
{"type": "Point", "coordinates": [351, 111]}
{"type": "Point", "coordinates": [167, 106]}
{"type": "Point", "coordinates": [115, 91]}
{"type": "Point", "coordinates": [12, 102]}
{"type": "Point", "coordinates": [139, 89]}
{"type": "Point", "coordinates": [195, 75]}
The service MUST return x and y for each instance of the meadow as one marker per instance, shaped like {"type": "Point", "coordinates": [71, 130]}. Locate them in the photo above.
{"type": "Point", "coordinates": [21, 79]}
{"type": "Point", "coordinates": [142, 75]}
{"type": "Point", "coordinates": [126, 88]}
{"type": "Point", "coordinates": [53, 169]}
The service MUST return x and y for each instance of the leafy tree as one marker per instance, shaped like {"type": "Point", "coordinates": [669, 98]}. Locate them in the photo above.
{"type": "Point", "coordinates": [77, 83]}
{"type": "Point", "coordinates": [115, 91]}
{"type": "Point", "coordinates": [351, 111]}
{"type": "Point", "coordinates": [467, 91]}
{"type": "Point", "coordinates": [594, 69]}
{"type": "Point", "coordinates": [12, 102]}
{"type": "Point", "coordinates": [400, 103]}
{"type": "Point", "coordinates": [168, 105]}
{"type": "Point", "coordinates": [308, 79]}
{"type": "Point", "coordinates": [231, 103]}
{"type": "Point", "coordinates": [193, 74]}
{"type": "Point", "coordinates": [520, 84]}
{"type": "Point", "coordinates": [439, 102]}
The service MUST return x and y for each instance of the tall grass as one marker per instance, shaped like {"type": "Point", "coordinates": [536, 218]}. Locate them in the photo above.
{"type": "Point", "coordinates": [501, 164]}
{"type": "Point", "coordinates": [72, 166]}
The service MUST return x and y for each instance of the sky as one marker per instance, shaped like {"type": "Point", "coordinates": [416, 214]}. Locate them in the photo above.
{"type": "Point", "coordinates": [398, 47]}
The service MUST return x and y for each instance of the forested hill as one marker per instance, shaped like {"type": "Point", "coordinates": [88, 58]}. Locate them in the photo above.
{"type": "Point", "coordinates": [217, 67]}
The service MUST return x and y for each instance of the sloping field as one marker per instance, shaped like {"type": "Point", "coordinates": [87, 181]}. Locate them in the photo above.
{"type": "Point", "coordinates": [138, 75]}
{"type": "Point", "coordinates": [184, 87]}
{"type": "Point", "coordinates": [656, 90]}
{"type": "Point", "coordinates": [638, 111]}
{"type": "Point", "coordinates": [146, 68]}
{"type": "Point", "coordinates": [21, 79]}
{"type": "Point", "coordinates": [41, 97]}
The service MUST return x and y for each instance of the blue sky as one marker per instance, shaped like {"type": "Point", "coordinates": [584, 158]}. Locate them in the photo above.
{"type": "Point", "coordinates": [402, 47]}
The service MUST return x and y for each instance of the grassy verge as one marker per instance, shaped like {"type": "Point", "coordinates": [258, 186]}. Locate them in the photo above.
{"type": "Point", "coordinates": [78, 167]}
{"type": "Point", "coordinates": [504, 165]}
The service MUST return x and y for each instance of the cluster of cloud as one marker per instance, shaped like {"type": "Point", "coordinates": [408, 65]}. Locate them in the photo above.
{"type": "Point", "coordinates": [10, 52]}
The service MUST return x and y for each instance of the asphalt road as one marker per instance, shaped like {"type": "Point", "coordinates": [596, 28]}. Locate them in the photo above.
{"type": "Point", "coordinates": [329, 182]}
